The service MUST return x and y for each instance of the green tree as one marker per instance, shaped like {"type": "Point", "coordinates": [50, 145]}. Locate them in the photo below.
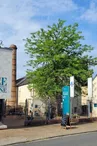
{"type": "Point", "coordinates": [1, 43]}
{"type": "Point", "coordinates": [56, 54]}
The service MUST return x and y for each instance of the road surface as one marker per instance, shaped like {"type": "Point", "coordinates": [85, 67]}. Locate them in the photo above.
{"type": "Point", "coordinates": [88, 139]}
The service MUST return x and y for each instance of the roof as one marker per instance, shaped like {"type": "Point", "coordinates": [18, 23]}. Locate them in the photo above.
{"type": "Point", "coordinates": [95, 77]}
{"type": "Point", "coordinates": [6, 48]}
{"type": "Point", "coordinates": [21, 81]}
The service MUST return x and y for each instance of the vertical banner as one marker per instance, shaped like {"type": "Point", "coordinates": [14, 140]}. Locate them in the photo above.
{"type": "Point", "coordinates": [66, 100]}
{"type": "Point", "coordinates": [72, 86]}
{"type": "Point", "coordinates": [90, 88]}
{"type": "Point", "coordinates": [5, 72]}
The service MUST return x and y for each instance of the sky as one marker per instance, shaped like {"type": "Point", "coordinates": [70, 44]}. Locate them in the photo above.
{"type": "Point", "coordinates": [18, 18]}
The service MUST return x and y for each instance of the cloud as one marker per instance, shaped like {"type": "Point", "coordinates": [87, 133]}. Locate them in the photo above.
{"type": "Point", "coordinates": [91, 13]}
{"type": "Point", "coordinates": [18, 18]}
{"type": "Point", "coordinates": [54, 6]}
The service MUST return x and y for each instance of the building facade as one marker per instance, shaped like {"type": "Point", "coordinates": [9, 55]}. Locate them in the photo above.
{"type": "Point", "coordinates": [23, 93]}
{"type": "Point", "coordinates": [94, 100]}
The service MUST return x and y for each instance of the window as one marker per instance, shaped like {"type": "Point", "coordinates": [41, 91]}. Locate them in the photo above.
{"type": "Point", "coordinates": [36, 106]}
{"type": "Point", "coordinates": [95, 104]}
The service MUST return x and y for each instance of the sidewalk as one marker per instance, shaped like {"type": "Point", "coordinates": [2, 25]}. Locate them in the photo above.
{"type": "Point", "coordinates": [18, 121]}
{"type": "Point", "coordinates": [10, 136]}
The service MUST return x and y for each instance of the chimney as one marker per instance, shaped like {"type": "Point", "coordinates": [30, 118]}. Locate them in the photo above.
{"type": "Point", "coordinates": [13, 100]}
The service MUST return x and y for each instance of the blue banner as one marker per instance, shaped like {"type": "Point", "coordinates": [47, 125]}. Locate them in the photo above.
{"type": "Point", "coordinates": [66, 100]}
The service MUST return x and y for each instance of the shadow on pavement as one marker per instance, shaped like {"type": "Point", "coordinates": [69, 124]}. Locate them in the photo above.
{"type": "Point", "coordinates": [17, 122]}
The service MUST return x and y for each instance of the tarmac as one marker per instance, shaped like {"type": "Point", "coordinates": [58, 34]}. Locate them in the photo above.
{"type": "Point", "coordinates": [26, 134]}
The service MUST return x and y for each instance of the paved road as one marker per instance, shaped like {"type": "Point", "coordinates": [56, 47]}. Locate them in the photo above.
{"type": "Point", "coordinates": [89, 139]}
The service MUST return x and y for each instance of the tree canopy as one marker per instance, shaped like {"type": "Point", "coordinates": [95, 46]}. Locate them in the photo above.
{"type": "Point", "coordinates": [1, 43]}
{"type": "Point", "coordinates": [56, 54]}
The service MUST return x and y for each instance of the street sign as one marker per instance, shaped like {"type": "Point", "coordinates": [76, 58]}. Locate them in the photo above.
{"type": "Point", "coordinates": [3, 85]}
{"type": "Point", "coordinates": [5, 72]}
{"type": "Point", "coordinates": [72, 86]}
{"type": "Point", "coordinates": [66, 100]}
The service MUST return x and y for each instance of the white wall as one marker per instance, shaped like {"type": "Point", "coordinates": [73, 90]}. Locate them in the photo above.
{"type": "Point", "coordinates": [5, 73]}
{"type": "Point", "coordinates": [23, 94]}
